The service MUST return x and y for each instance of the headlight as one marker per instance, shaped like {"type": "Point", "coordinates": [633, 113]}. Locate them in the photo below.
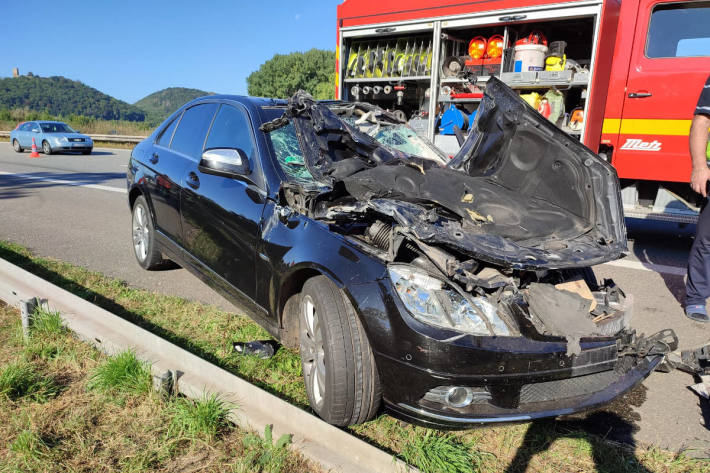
{"type": "Point", "coordinates": [432, 301]}
{"type": "Point", "coordinates": [63, 139]}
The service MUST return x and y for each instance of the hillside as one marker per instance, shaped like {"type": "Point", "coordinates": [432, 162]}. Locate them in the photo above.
{"type": "Point", "coordinates": [61, 96]}
{"type": "Point", "coordinates": [162, 103]}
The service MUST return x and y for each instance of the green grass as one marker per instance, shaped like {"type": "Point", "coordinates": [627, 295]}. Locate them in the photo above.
{"type": "Point", "coordinates": [123, 372]}
{"type": "Point", "coordinates": [202, 418]}
{"type": "Point", "coordinates": [208, 332]}
{"type": "Point", "coordinates": [46, 323]}
{"type": "Point", "coordinates": [20, 379]}
{"type": "Point", "coordinates": [30, 447]}
{"type": "Point", "coordinates": [265, 454]}
{"type": "Point", "coordinates": [80, 430]}
{"type": "Point", "coordinates": [436, 452]}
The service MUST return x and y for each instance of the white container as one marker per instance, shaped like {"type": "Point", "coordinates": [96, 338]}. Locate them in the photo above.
{"type": "Point", "coordinates": [530, 57]}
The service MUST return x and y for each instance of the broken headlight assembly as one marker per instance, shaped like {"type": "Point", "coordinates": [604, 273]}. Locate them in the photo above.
{"type": "Point", "coordinates": [434, 302]}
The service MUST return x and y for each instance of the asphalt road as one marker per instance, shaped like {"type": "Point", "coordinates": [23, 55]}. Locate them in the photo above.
{"type": "Point", "coordinates": [74, 208]}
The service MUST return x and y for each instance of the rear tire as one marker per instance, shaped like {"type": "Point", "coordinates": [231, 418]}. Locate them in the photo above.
{"type": "Point", "coordinates": [16, 146]}
{"type": "Point", "coordinates": [342, 381]}
{"type": "Point", "coordinates": [143, 236]}
{"type": "Point", "coordinates": [46, 149]}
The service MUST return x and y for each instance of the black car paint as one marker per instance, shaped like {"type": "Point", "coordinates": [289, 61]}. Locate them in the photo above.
{"type": "Point", "coordinates": [278, 248]}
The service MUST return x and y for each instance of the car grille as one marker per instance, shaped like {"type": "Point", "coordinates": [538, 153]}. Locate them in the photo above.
{"type": "Point", "coordinates": [76, 139]}
{"type": "Point", "coordinates": [567, 388]}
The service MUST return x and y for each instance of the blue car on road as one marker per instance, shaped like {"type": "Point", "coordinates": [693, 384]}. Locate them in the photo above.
{"type": "Point", "coordinates": [51, 137]}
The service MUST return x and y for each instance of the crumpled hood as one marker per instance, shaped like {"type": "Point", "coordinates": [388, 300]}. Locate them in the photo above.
{"type": "Point", "coordinates": [520, 193]}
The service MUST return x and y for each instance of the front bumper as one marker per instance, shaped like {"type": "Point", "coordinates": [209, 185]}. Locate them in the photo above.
{"type": "Point", "coordinates": [513, 379]}
{"type": "Point", "coordinates": [535, 400]}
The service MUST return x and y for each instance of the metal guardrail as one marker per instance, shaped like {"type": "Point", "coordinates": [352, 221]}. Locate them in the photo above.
{"type": "Point", "coordinates": [105, 138]}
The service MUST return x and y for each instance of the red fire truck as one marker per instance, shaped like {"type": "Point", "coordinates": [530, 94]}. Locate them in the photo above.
{"type": "Point", "coordinates": [623, 77]}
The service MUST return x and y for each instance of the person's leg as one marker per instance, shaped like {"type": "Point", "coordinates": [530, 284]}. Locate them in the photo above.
{"type": "Point", "coordinates": [697, 288]}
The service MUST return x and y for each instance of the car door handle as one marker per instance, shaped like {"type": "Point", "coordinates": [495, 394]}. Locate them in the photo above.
{"type": "Point", "coordinates": [193, 181]}
{"type": "Point", "coordinates": [639, 95]}
{"type": "Point", "coordinates": [153, 158]}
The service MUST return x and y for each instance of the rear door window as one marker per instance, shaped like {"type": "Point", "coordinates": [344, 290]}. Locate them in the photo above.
{"type": "Point", "coordinates": [189, 138]}
{"type": "Point", "coordinates": [679, 30]}
{"type": "Point", "coordinates": [167, 133]}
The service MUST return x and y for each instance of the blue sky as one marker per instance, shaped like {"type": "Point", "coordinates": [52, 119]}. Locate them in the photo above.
{"type": "Point", "coordinates": [129, 49]}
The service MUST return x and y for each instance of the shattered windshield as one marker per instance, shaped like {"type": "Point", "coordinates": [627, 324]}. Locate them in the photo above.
{"type": "Point", "coordinates": [394, 136]}
{"type": "Point", "coordinates": [288, 153]}
{"type": "Point", "coordinates": [402, 138]}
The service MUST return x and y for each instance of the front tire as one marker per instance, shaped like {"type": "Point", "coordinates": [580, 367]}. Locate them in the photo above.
{"type": "Point", "coordinates": [144, 247]}
{"type": "Point", "coordinates": [46, 149]}
{"type": "Point", "coordinates": [87, 151]}
{"type": "Point", "coordinates": [16, 146]}
{"type": "Point", "coordinates": [342, 381]}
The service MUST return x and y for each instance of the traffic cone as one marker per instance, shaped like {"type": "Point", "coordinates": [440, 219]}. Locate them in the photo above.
{"type": "Point", "coordinates": [34, 153]}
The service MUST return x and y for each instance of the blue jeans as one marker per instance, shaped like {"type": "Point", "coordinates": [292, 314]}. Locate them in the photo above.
{"type": "Point", "coordinates": [697, 288]}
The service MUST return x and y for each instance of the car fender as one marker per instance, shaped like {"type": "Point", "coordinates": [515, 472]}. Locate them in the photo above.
{"type": "Point", "coordinates": [296, 247]}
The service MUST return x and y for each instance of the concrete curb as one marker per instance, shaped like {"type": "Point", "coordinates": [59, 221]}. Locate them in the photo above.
{"type": "Point", "coordinates": [333, 448]}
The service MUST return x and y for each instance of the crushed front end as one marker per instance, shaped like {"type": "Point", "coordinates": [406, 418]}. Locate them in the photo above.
{"type": "Point", "coordinates": [487, 309]}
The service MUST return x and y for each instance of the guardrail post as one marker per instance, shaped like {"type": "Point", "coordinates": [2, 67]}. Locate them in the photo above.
{"type": "Point", "coordinates": [27, 309]}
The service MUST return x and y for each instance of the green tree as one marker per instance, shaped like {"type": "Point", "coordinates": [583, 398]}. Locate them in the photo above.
{"type": "Point", "coordinates": [284, 74]}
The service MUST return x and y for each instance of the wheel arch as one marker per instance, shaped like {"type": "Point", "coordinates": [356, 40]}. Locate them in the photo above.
{"type": "Point", "coordinates": [133, 195]}
{"type": "Point", "coordinates": [291, 286]}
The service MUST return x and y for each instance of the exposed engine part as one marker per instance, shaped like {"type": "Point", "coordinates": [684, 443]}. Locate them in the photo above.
{"type": "Point", "coordinates": [380, 234]}
{"type": "Point", "coordinates": [366, 90]}
{"type": "Point", "coordinates": [400, 97]}
{"type": "Point", "coordinates": [387, 89]}
{"type": "Point", "coordinates": [376, 90]}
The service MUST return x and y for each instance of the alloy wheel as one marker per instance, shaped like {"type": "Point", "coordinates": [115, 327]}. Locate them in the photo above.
{"type": "Point", "coordinates": [141, 232]}
{"type": "Point", "coordinates": [313, 352]}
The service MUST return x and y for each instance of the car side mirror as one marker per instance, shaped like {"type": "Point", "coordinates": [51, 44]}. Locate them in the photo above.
{"type": "Point", "coordinates": [227, 162]}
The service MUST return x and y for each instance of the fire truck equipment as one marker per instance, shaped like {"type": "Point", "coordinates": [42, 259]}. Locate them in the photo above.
{"type": "Point", "coordinates": [450, 118]}
{"type": "Point", "coordinates": [495, 46]}
{"type": "Point", "coordinates": [532, 99]}
{"type": "Point", "coordinates": [530, 57]}
{"type": "Point", "coordinates": [544, 108]}
{"type": "Point", "coordinates": [355, 92]}
{"type": "Point", "coordinates": [452, 66]}
{"type": "Point", "coordinates": [556, 57]}
{"type": "Point", "coordinates": [477, 47]}
{"type": "Point", "coordinates": [556, 99]}
{"type": "Point", "coordinates": [576, 120]}
{"type": "Point", "coordinates": [536, 37]}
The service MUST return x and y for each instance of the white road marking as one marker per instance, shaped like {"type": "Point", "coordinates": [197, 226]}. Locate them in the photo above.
{"type": "Point", "coordinates": [65, 182]}
{"type": "Point", "coordinates": [656, 268]}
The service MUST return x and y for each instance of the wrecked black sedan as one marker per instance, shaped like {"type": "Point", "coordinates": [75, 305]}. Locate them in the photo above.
{"type": "Point", "coordinates": [455, 291]}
